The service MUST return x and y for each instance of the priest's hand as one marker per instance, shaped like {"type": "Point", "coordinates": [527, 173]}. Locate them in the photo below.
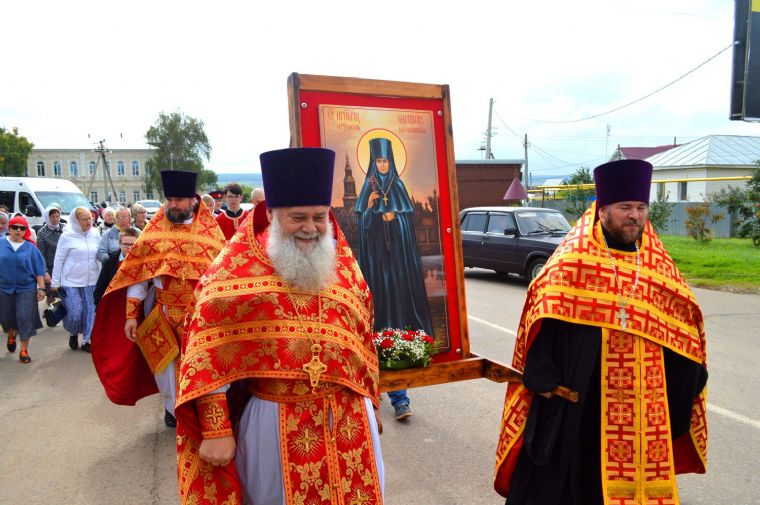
{"type": "Point", "coordinates": [379, 421]}
{"type": "Point", "coordinates": [130, 329]}
{"type": "Point", "coordinates": [218, 451]}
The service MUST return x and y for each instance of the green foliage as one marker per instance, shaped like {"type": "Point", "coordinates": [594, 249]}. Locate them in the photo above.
{"type": "Point", "coordinates": [744, 206]}
{"type": "Point", "coordinates": [14, 151]}
{"type": "Point", "coordinates": [659, 212]}
{"type": "Point", "coordinates": [576, 199]}
{"type": "Point", "coordinates": [179, 143]}
{"type": "Point", "coordinates": [696, 222]}
{"type": "Point", "coordinates": [725, 263]}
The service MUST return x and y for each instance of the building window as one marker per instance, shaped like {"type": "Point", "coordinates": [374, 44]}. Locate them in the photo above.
{"type": "Point", "coordinates": [40, 169]}
{"type": "Point", "coordinates": [149, 195]}
{"type": "Point", "coordinates": [92, 166]}
{"type": "Point", "coordinates": [683, 194]}
{"type": "Point", "coordinates": [73, 169]}
{"type": "Point", "coordinates": [120, 168]}
{"type": "Point", "coordinates": [147, 167]}
{"type": "Point", "coordinates": [57, 170]}
{"type": "Point", "coordinates": [109, 197]}
{"type": "Point", "coordinates": [122, 197]}
{"type": "Point", "coordinates": [135, 168]}
{"type": "Point", "coordinates": [135, 195]}
{"type": "Point", "coordinates": [93, 196]}
{"type": "Point", "coordinates": [660, 190]}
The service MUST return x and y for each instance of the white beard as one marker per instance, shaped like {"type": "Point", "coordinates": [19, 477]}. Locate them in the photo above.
{"type": "Point", "coordinates": [310, 272]}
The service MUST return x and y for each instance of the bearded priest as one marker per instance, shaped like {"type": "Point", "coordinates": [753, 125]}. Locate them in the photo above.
{"type": "Point", "coordinates": [278, 386]}
{"type": "Point", "coordinates": [611, 318]}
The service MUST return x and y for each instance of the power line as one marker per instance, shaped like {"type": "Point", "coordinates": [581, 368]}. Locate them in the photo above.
{"type": "Point", "coordinates": [594, 116]}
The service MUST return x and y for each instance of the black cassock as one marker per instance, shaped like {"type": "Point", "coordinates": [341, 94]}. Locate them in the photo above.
{"type": "Point", "coordinates": [560, 461]}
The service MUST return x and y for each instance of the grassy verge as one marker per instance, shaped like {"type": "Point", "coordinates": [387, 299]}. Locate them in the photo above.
{"type": "Point", "coordinates": [728, 264]}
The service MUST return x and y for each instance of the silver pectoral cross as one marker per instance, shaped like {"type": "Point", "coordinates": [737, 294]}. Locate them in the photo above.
{"type": "Point", "coordinates": [623, 316]}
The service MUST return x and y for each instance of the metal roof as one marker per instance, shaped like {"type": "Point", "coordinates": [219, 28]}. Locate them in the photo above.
{"type": "Point", "coordinates": [712, 150]}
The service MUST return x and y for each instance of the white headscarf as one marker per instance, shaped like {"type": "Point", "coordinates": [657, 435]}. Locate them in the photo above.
{"type": "Point", "coordinates": [74, 228]}
{"type": "Point", "coordinates": [7, 218]}
{"type": "Point", "coordinates": [46, 217]}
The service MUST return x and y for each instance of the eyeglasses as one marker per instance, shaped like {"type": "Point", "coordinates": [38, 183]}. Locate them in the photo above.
{"type": "Point", "coordinates": [18, 227]}
{"type": "Point", "coordinates": [231, 195]}
{"type": "Point", "coordinates": [127, 245]}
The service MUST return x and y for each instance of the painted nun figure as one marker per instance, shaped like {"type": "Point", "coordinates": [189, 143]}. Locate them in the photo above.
{"type": "Point", "coordinates": [388, 254]}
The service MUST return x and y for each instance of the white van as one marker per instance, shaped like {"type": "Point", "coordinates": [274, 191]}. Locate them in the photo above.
{"type": "Point", "coordinates": [32, 195]}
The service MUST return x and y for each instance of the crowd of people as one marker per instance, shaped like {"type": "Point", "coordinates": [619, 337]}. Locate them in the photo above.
{"type": "Point", "coordinates": [257, 328]}
{"type": "Point", "coordinates": [80, 254]}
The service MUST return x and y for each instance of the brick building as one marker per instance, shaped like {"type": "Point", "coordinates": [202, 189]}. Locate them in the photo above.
{"type": "Point", "coordinates": [484, 182]}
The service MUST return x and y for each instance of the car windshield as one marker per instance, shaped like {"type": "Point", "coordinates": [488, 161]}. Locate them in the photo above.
{"type": "Point", "coordinates": [541, 222]}
{"type": "Point", "coordinates": [64, 201]}
{"type": "Point", "coordinates": [150, 203]}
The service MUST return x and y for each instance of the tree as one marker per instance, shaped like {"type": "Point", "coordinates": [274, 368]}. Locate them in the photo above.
{"type": "Point", "coordinates": [14, 151]}
{"type": "Point", "coordinates": [659, 212]}
{"type": "Point", "coordinates": [180, 144]}
{"type": "Point", "coordinates": [744, 206]}
{"type": "Point", "coordinates": [576, 199]}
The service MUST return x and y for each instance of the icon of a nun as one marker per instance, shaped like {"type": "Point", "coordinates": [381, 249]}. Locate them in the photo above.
{"type": "Point", "coordinates": [388, 255]}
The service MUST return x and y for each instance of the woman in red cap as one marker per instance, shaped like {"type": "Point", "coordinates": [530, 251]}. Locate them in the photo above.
{"type": "Point", "coordinates": [22, 285]}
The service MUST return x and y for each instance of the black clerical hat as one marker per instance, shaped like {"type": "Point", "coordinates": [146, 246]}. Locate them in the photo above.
{"type": "Point", "coordinates": [298, 176]}
{"type": "Point", "coordinates": [178, 183]}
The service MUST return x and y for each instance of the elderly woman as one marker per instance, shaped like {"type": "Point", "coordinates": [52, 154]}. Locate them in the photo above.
{"type": "Point", "coordinates": [47, 241]}
{"type": "Point", "coordinates": [109, 243]}
{"type": "Point", "coordinates": [22, 285]}
{"type": "Point", "coordinates": [139, 216]}
{"type": "Point", "coordinates": [109, 218]}
{"type": "Point", "coordinates": [75, 273]}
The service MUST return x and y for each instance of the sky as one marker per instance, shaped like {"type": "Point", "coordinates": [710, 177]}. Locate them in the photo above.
{"type": "Point", "coordinates": [77, 71]}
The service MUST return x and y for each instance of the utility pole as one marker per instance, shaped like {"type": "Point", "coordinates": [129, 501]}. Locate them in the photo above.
{"type": "Point", "coordinates": [102, 150]}
{"type": "Point", "coordinates": [489, 156]}
{"type": "Point", "coordinates": [527, 176]}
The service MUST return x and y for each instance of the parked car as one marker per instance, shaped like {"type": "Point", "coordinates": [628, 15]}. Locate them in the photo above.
{"type": "Point", "coordinates": [151, 206]}
{"type": "Point", "coordinates": [32, 195]}
{"type": "Point", "coordinates": [515, 240]}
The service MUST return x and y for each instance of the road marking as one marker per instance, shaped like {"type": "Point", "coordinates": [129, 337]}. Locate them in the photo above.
{"type": "Point", "coordinates": [712, 408]}
{"type": "Point", "coordinates": [494, 326]}
{"type": "Point", "coordinates": [733, 415]}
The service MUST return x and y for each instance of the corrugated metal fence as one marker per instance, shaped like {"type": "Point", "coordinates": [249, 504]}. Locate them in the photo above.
{"type": "Point", "coordinates": [676, 223]}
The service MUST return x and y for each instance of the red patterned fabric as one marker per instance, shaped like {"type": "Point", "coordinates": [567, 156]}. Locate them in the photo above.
{"type": "Point", "coordinates": [578, 285]}
{"type": "Point", "coordinates": [166, 249]}
{"type": "Point", "coordinates": [230, 225]}
{"type": "Point", "coordinates": [250, 325]}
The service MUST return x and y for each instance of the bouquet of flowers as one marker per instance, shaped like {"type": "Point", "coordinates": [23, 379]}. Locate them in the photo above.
{"type": "Point", "coordinates": [405, 348]}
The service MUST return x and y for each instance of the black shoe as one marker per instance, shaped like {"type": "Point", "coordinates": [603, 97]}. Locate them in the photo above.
{"type": "Point", "coordinates": [11, 343]}
{"type": "Point", "coordinates": [169, 419]}
{"type": "Point", "coordinates": [86, 347]}
{"type": "Point", "coordinates": [46, 314]}
{"type": "Point", "coordinates": [73, 342]}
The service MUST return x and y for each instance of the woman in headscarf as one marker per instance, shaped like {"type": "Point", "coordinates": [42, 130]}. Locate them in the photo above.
{"type": "Point", "coordinates": [47, 242]}
{"type": "Point", "coordinates": [109, 243]}
{"type": "Point", "coordinates": [75, 273]}
{"type": "Point", "coordinates": [109, 218]}
{"type": "Point", "coordinates": [388, 254]}
{"type": "Point", "coordinates": [22, 285]}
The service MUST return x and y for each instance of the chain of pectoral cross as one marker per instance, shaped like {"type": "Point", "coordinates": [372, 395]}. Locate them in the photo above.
{"type": "Point", "coordinates": [622, 313]}
{"type": "Point", "coordinates": [315, 367]}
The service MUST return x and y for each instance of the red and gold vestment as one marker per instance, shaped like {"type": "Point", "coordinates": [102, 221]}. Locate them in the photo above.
{"type": "Point", "coordinates": [229, 225]}
{"type": "Point", "coordinates": [251, 328]}
{"type": "Point", "coordinates": [179, 254]}
{"type": "Point", "coordinates": [639, 457]}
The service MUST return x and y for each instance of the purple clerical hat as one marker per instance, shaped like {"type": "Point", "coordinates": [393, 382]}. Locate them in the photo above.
{"type": "Point", "coordinates": [298, 176]}
{"type": "Point", "coordinates": [622, 181]}
{"type": "Point", "coordinates": [178, 183]}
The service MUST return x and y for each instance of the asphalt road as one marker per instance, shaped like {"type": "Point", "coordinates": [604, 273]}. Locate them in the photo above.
{"type": "Point", "coordinates": [63, 442]}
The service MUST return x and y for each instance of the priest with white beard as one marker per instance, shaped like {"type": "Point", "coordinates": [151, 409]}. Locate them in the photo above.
{"type": "Point", "coordinates": [279, 383]}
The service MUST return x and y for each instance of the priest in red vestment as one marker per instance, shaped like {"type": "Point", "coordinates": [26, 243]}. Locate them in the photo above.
{"type": "Point", "coordinates": [139, 321]}
{"type": "Point", "coordinates": [279, 380]}
{"type": "Point", "coordinates": [611, 318]}
{"type": "Point", "coordinates": [232, 217]}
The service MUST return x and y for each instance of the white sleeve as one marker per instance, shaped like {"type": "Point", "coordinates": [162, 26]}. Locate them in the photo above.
{"type": "Point", "coordinates": [139, 290]}
{"type": "Point", "coordinates": [60, 255]}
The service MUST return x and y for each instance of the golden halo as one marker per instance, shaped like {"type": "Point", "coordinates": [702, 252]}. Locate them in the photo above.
{"type": "Point", "coordinates": [399, 149]}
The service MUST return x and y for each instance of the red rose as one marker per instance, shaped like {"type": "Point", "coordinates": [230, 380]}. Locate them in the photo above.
{"type": "Point", "coordinates": [388, 333]}
{"type": "Point", "coordinates": [386, 343]}
{"type": "Point", "coordinates": [408, 336]}
{"type": "Point", "coordinates": [428, 339]}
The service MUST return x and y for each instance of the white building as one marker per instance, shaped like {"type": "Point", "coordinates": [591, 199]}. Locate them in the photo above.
{"type": "Point", "coordinates": [83, 167]}
{"type": "Point", "coordinates": [712, 156]}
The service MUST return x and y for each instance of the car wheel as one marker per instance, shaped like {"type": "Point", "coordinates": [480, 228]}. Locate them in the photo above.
{"type": "Point", "coordinates": [535, 268]}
